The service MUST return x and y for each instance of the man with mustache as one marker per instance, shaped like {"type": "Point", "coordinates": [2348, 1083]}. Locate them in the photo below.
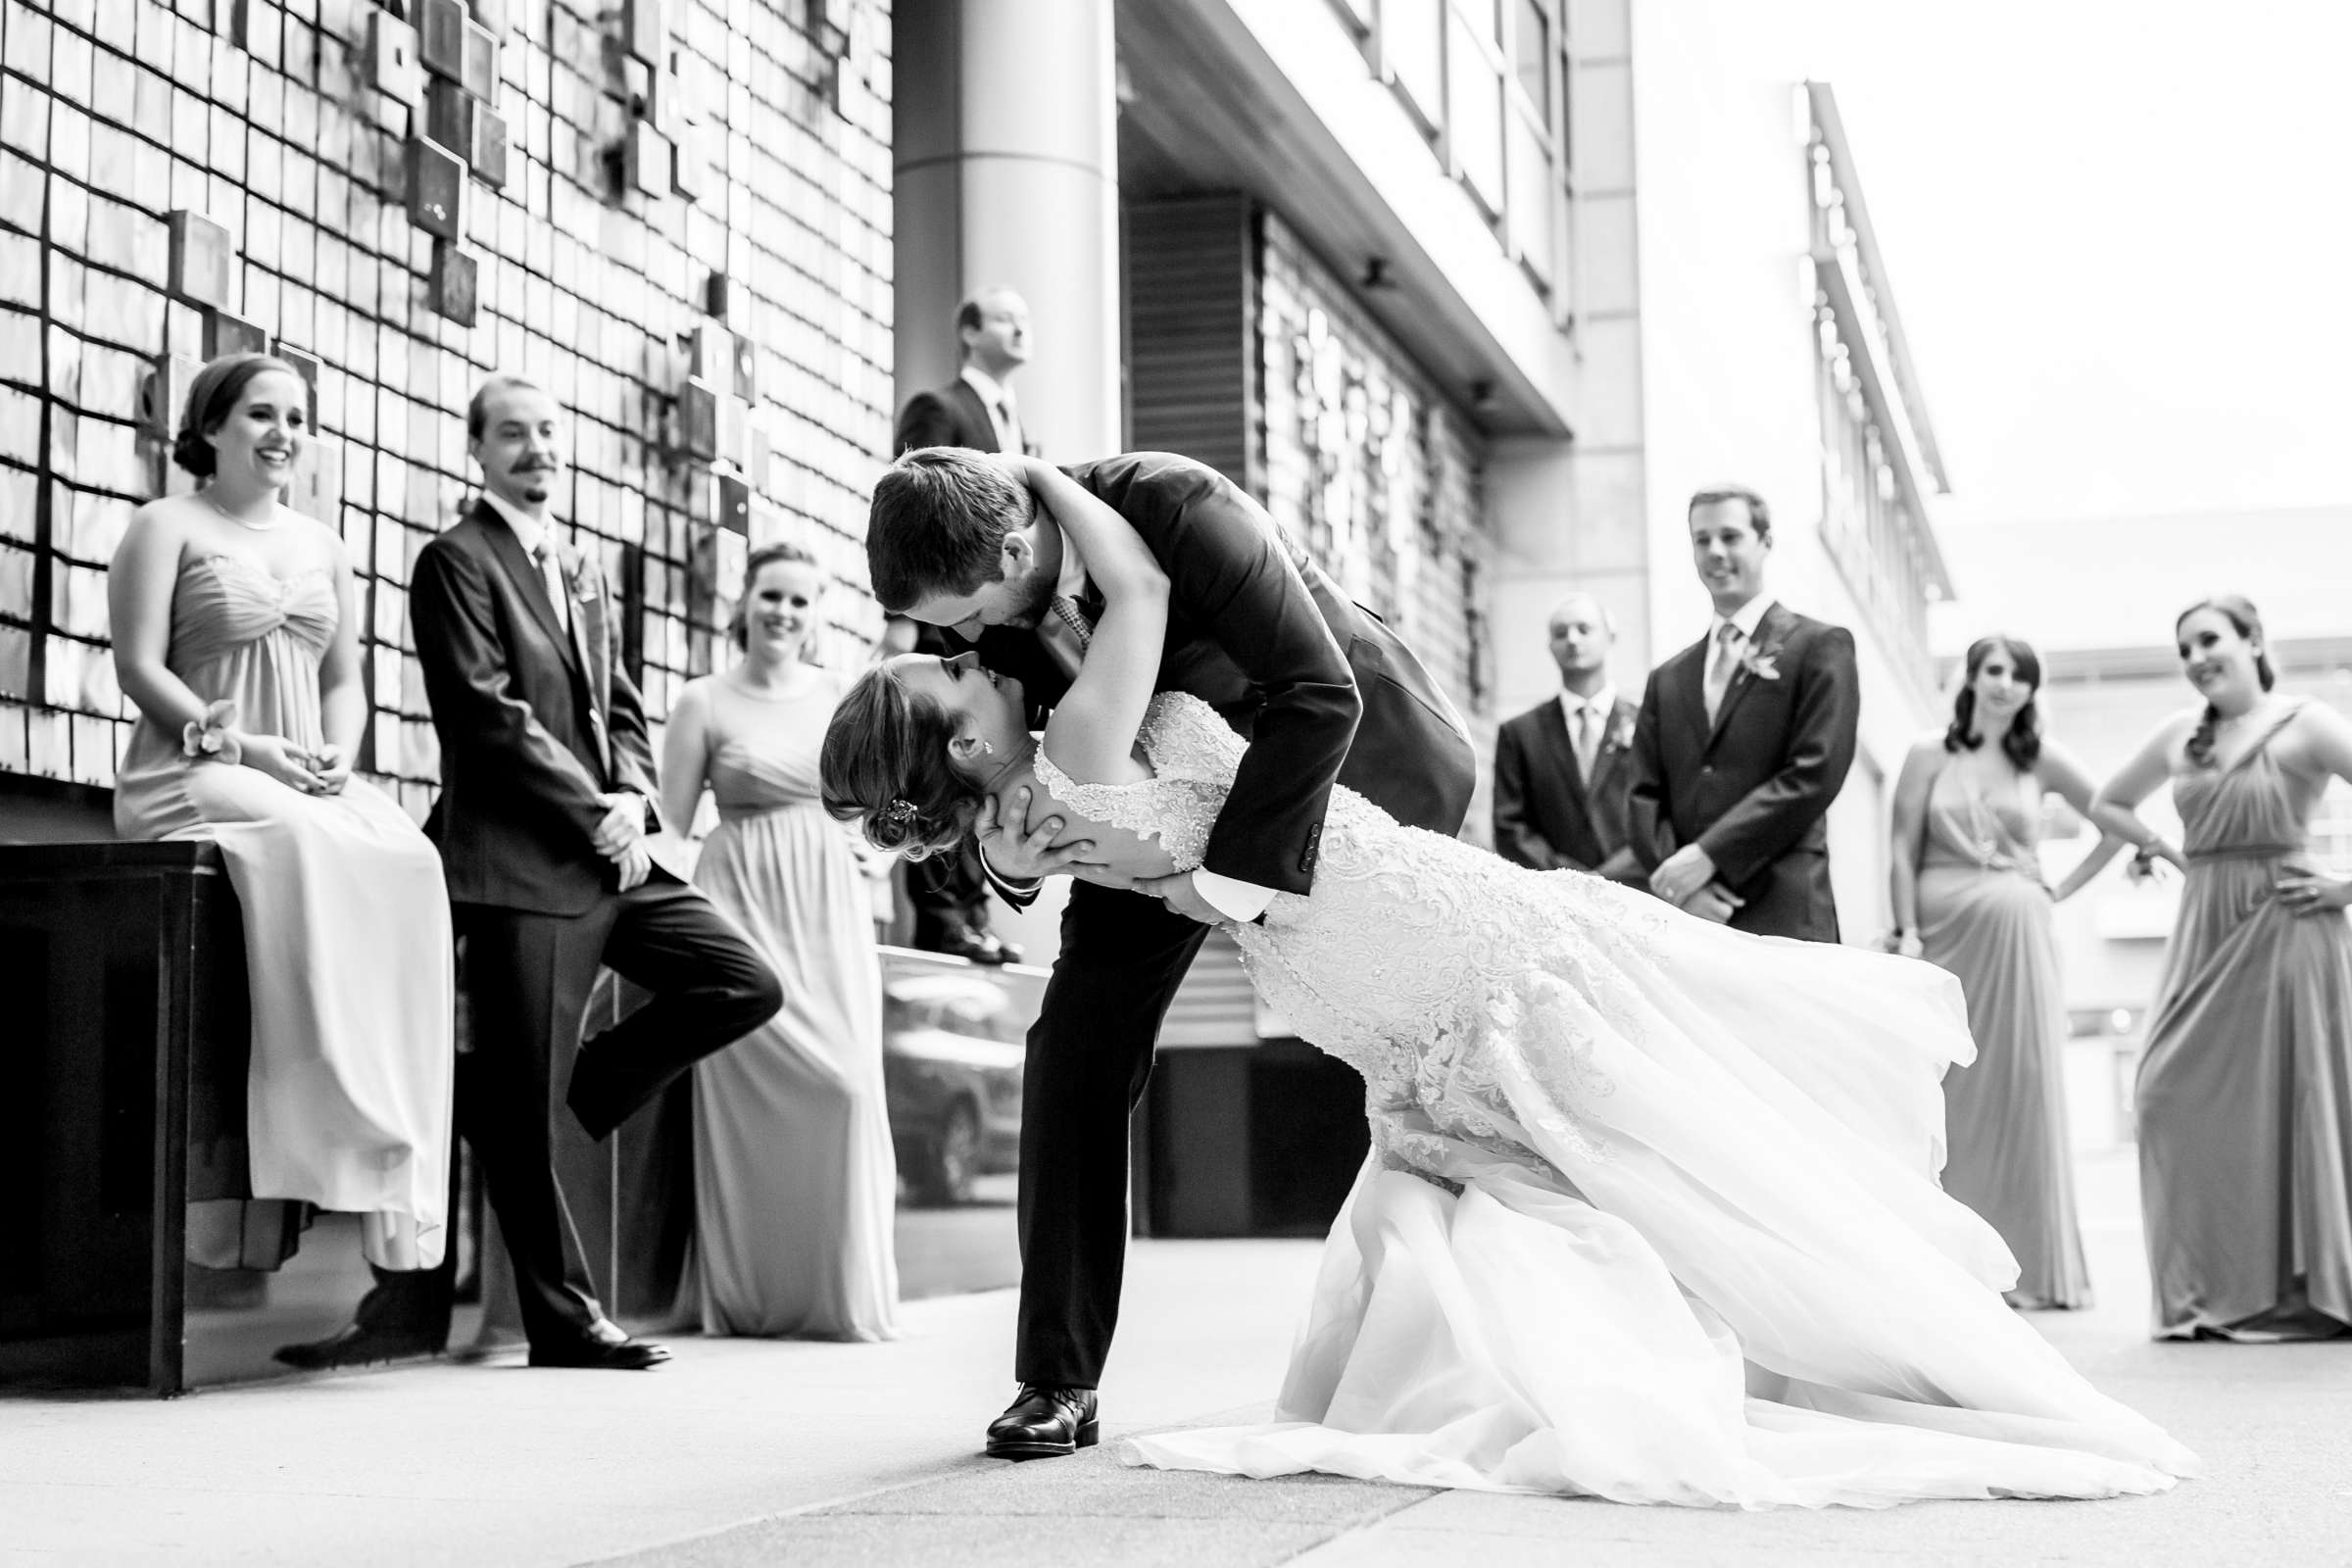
{"type": "Point", "coordinates": [547, 807]}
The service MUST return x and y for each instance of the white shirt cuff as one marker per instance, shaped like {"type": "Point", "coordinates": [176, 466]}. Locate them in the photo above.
{"type": "Point", "coordinates": [1236, 900]}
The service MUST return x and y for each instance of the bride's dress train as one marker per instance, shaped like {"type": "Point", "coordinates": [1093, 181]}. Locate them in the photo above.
{"type": "Point", "coordinates": [1651, 1212]}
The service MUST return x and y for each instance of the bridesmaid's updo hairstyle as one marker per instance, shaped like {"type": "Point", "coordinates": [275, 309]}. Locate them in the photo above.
{"type": "Point", "coordinates": [2023, 744]}
{"type": "Point", "coordinates": [759, 560]}
{"type": "Point", "coordinates": [884, 766]}
{"type": "Point", "coordinates": [2240, 612]}
{"type": "Point", "coordinates": [214, 398]}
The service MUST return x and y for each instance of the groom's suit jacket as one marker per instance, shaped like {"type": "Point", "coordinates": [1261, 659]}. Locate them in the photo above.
{"type": "Point", "coordinates": [1322, 688]}
{"type": "Point", "coordinates": [535, 726]}
{"type": "Point", "coordinates": [1755, 786]}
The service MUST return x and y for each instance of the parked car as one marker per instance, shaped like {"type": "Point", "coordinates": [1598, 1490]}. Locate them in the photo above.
{"type": "Point", "coordinates": [952, 1053]}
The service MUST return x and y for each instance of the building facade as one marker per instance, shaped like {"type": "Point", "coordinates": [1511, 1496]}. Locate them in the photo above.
{"type": "Point", "coordinates": [676, 217]}
{"type": "Point", "coordinates": [1738, 323]}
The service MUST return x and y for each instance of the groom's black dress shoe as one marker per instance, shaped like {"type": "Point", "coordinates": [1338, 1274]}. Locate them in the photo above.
{"type": "Point", "coordinates": [403, 1316]}
{"type": "Point", "coordinates": [355, 1346]}
{"type": "Point", "coordinates": [1044, 1423]}
{"type": "Point", "coordinates": [606, 1350]}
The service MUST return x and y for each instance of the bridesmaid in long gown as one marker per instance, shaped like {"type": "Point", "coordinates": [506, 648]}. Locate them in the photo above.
{"type": "Point", "coordinates": [2245, 1130]}
{"type": "Point", "coordinates": [795, 1178]}
{"type": "Point", "coordinates": [235, 634]}
{"type": "Point", "coordinates": [1969, 896]}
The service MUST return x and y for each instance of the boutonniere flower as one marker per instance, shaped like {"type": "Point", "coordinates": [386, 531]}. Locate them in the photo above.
{"type": "Point", "coordinates": [1621, 733]}
{"type": "Point", "coordinates": [1762, 666]}
{"type": "Point", "coordinates": [211, 736]}
{"type": "Point", "coordinates": [584, 577]}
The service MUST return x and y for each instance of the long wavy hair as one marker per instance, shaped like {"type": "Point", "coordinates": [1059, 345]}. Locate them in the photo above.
{"type": "Point", "coordinates": [2021, 743]}
{"type": "Point", "coordinates": [884, 765]}
{"type": "Point", "coordinates": [2241, 612]}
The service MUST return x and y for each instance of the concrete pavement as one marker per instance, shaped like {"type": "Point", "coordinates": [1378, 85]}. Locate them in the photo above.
{"type": "Point", "coordinates": [814, 1454]}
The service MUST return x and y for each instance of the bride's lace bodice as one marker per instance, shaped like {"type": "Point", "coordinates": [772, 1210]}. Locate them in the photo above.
{"type": "Point", "coordinates": [1446, 975]}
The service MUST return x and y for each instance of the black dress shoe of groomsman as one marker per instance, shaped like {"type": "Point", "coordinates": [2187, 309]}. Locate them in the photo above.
{"type": "Point", "coordinates": [604, 1349]}
{"type": "Point", "coordinates": [1044, 1423]}
{"type": "Point", "coordinates": [356, 1345]}
{"type": "Point", "coordinates": [979, 944]}
{"type": "Point", "coordinates": [404, 1317]}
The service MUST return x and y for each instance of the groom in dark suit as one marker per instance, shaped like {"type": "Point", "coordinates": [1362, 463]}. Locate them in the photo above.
{"type": "Point", "coordinates": [1324, 692]}
{"type": "Point", "coordinates": [548, 799]}
{"type": "Point", "coordinates": [1561, 773]}
{"type": "Point", "coordinates": [1743, 741]}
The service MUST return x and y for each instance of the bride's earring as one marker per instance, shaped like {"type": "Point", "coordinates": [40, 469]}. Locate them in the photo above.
{"type": "Point", "coordinates": [986, 749]}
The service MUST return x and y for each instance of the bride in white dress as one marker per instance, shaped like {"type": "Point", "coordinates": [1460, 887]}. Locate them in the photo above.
{"type": "Point", "coordinates": [1652, 1210]}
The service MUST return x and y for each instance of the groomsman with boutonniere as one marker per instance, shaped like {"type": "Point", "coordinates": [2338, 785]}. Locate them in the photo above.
{"type": "Point", "coordinates": [1561, 769]}
{"type": "Point", "coordinates": [1743, 741]}
{"type": "Point", "coordinates": [551, 841]}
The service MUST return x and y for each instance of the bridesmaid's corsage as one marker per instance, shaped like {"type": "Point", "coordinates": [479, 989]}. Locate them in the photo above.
{"type": "Point", "coordinates": [212, 737]}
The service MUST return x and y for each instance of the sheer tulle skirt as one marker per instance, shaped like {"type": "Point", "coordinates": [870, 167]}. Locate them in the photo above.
{"type": "Point", "coordinates": [1687, 1247]}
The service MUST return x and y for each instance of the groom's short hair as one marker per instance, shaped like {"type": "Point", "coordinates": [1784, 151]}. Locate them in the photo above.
{"type": "Point", "coordinates": [937, 525]}
{"type": "Point", "coordinates": [1758, 513]}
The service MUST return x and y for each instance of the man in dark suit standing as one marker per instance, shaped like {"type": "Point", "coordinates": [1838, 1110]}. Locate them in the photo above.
{"type": "Point", "coordinates": [1561, 777]}
{"type": "Point", "coordinates": [948, 893]}
{"type": "Point", "coordinates": [977, 410]}
{"type": "Point", "coordinates": [1743, 741]}
{"type": "Point", "coordinates": [548, 798]}
{"type": "Point", "coordinates": [1324, 692]}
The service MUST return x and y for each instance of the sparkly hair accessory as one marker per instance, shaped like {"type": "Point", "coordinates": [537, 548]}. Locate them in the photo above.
{"type": "Point", "coordinates": [898, 814]}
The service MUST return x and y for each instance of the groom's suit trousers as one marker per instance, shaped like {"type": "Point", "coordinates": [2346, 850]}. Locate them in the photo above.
{"type": "Point", "coordinates": [1090, 1055]}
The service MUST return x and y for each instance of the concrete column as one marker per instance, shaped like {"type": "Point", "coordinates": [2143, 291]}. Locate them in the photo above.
{"type": "Point", "coordinates": [1007, 153]}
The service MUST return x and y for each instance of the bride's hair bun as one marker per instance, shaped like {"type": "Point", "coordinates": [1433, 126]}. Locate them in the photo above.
{"type": "Point", "coordinates": [884, 766]}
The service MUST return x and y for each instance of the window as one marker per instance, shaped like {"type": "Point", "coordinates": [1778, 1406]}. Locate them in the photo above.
{"type": "Point", "coordinates": [1412, 46]}
{"type": "Point", "coordinates": [1474, 112]}
{"type": "Point", "coordinates": [1531, 53]}
{"type": "Point", "coordinates": [1488, 82]}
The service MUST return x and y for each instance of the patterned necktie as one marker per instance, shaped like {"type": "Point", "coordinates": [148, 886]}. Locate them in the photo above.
{"type": "Point", "coordinates": [1065, 634]}
{"type": "Point", "coordinates": [1719, 669]}
{"type": "Point", "coordinates": [1581, 738]}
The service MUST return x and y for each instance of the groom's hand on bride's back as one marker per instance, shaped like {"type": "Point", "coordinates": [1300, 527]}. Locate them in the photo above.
{"type": "Point", "coordinates": [1021, 850]}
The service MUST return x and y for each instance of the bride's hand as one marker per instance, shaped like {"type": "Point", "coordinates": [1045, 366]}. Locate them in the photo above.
{"type": "Point", "coordinates": [1020, 466]}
